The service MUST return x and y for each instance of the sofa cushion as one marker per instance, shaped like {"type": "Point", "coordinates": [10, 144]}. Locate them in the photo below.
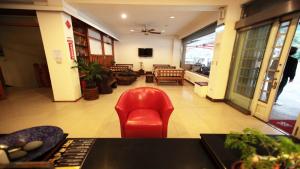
{"type": "Point", "coordinates": [143, 123]}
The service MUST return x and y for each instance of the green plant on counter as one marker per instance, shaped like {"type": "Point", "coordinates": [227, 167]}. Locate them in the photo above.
{"type": "Point", "coordinates": [281, 151]}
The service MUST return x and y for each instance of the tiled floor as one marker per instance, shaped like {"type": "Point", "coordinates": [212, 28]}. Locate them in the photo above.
{"type": "Point", "coordinates": [192, 115]}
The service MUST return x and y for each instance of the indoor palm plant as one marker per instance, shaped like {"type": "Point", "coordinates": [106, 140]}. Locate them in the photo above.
{"type": "Point", "coordinates": [278, 152]}
{"type": "Point", "coordinates": [92, 72]}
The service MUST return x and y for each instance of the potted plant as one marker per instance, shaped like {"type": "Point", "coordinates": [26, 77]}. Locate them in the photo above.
{"type": "Point", "coordinates": [107, 81]}
{"type": "Point", "coordinates": [92, 73]}
{"type": "Point", "coordinates": [278, 152]}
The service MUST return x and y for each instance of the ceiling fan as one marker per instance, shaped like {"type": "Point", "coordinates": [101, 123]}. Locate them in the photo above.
{"type": "Point", "coordinates": [148, 31]}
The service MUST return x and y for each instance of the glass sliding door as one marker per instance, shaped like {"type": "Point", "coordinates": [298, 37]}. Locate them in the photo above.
{"type": "Point", "coordinates": [247, 58]}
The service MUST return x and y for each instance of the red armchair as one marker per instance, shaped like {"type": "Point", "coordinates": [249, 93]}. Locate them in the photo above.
{"type": "Point", "coordinates": [144, 113]}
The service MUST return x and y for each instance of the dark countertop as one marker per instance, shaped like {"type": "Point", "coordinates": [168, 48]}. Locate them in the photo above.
{"type": "Point", "coordinates": [148, 154]}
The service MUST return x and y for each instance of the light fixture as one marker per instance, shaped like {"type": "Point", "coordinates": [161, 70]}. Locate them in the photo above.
{"type": "Point", "coordinates": [131, 30]}
{"type": "Point", "coordinates": [172, 17]}
{"type": "Point", "coordinates": [123, 16]}
{"type": "Point", "coordinates": [162, 31]}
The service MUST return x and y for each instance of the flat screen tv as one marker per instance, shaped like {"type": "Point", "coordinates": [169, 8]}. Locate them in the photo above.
{"type": "Point", "coordinates": [145, 52]}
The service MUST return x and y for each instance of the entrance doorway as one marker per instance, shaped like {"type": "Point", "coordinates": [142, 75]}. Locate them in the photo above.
{"type": "Point", "coordinates": [24, 71]}
{"type": "Point", "coordinates": [257, 70]}
{"type": "Point", "coordinates": [286, 108]}
{"type": "Point", "coordinates": [280, 113]}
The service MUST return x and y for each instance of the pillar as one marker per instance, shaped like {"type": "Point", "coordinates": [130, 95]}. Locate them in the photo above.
{"type": "Point", "coordinates": [56, 30]}
{"type": "Point", "coordinates": [224, 44]}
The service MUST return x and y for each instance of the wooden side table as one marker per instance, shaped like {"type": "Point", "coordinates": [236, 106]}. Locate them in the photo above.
{"type": "Point", "coordinates": [149, 78]}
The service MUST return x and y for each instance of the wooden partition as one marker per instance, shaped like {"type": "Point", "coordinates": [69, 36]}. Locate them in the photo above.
{"type": "Point", "coordinates": [92, 45]}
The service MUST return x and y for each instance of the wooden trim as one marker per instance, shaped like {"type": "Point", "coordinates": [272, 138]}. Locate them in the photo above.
{"type": "Point", "coordinates": [113, 48]}
{"type": "Point", "coordinates": [102, 44]}
{"type": "Point", "coordinates": [237, 107]}
{"type": "Point", "coordinates": [257, 25]}
{"type": "Point", "coordinates": [214, 100]}
{"type": "Point", "coordinates": [69, 100]}
{"type": "Point", "coordinates": [79, 34]}
{"type": "Point", "coordinates": [90, 37]}
{"type": "Point", "coordinates": [189, 82]}
{"type": "Point", "coordinates": [278, 10]}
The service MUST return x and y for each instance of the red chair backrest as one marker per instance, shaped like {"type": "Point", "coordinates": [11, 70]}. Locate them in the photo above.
{"type": "Point", "coordinates": [144, 98]}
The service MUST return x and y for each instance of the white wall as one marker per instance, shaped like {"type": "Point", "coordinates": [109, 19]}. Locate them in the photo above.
{"type": "Point", "coordinates": [200, 22]}
{"type": "Point", "coordinates": [22, 48]}
{"type": "Point", "coordinates": [166, 50]}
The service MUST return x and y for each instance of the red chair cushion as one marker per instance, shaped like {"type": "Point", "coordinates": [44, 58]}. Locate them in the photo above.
{"type": "Point", "coordinates": [143, 123]}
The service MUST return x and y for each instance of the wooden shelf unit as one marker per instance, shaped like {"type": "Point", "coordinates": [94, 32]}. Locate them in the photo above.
{"type": "Point", "coordinates": [82, 45]}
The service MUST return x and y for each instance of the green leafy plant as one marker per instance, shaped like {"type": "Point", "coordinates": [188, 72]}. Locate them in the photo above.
{"type": "Point", "coordinates": [92, 71]}
{"type": "Point", "coordinates": [279, 150]}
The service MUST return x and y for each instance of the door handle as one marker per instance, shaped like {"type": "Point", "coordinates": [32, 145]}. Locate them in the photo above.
{"type": "Point", "coordinates": [274, 85]}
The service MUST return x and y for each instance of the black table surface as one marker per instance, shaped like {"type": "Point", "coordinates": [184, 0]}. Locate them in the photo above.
{"type": "Point", "coordinates": [148, 154]}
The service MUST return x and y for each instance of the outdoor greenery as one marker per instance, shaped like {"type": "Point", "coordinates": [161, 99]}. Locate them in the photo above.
{"type": "Point", "coordinates": [279, 150]}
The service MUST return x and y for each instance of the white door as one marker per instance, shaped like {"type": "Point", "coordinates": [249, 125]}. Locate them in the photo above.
{"type": "Point", "coordinates": [276, 54]}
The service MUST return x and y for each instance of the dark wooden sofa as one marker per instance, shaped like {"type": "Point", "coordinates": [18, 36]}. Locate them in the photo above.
{"type": "Point", "coordinates": [124, 74]}
{"type": "Point", "coordinates": [176, 75]}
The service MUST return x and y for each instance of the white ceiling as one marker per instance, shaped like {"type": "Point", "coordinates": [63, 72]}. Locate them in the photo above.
{"type": "Point", "coordinates": [156, 16]}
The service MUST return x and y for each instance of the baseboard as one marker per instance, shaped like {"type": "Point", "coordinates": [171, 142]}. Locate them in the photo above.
{"type": "Point", "coordinates": [214, 100]}
{"type": "Point", "coordinates": [69, 100]}
{"type": "Point", "coordinates": [189, 82]}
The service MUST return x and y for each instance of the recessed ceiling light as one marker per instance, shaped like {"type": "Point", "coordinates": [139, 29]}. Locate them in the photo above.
{"type": "Point", "coordinates": [123, 16]}
{"type": "Point", "coordinates": [131, 30]}
{"type": "Point", "coordinates": [172, 17]}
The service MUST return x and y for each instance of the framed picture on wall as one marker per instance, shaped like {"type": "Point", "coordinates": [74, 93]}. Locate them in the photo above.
{"type": "Point", "coordinates": [1, 51]}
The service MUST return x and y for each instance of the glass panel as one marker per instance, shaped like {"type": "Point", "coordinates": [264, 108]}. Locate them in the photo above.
{"type": "Point", "coordinates": [273, 63]}
{"type": "Point", "coordinates": [251, 59]}
{"type": "Point", "coordinates": [199, 53]}
{"type": "Point", "coordinates": [248, 55]}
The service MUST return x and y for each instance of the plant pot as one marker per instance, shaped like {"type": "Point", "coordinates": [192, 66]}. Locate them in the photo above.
{"type": "Point", "coordinates": [91, 93]}
{"type": "Point", "coordinates": [104, 88]}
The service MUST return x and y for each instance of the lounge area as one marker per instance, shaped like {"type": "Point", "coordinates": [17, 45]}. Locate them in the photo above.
{"type": "Point", "coordinates": [120, 84]}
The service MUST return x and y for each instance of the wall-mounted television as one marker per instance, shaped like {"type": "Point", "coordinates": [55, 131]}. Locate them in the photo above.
{"type": "Point", "coordinates": [145, 52]}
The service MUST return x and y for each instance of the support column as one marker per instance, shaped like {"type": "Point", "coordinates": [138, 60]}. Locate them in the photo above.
{"type": "Point", "coordinates": [57, 32]}
{"type": "Point", "coordinates": [224, 44]}
{"type": "Point", "coordinates": [176, 52]}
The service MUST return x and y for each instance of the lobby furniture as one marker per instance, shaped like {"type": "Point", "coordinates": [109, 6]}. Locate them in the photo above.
{"type": "Point", "coordinates": [149, 77]}
{"type": "Point", "coordinates": [144, 113]}
{"type": "Point", "coordinates": [169, 75]}
{"type": "Point", "coordinates": [201, 88]}
{"type": "Point", "coordinates": [130, 66]}
{"type": "Point", "coordinates": [126, 77]}
{"type": "Point", "coordinates": [156, 66]}
{"type": "Point", "coordinates": [117, 69]}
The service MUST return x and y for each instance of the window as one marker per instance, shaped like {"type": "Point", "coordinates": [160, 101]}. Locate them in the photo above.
{"type": "Point", "coordinates": [95, 42]}
{"type": "Point", "coordinates": [198, 50]}
{"type": "Point", "coordinates": [107, 46]}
